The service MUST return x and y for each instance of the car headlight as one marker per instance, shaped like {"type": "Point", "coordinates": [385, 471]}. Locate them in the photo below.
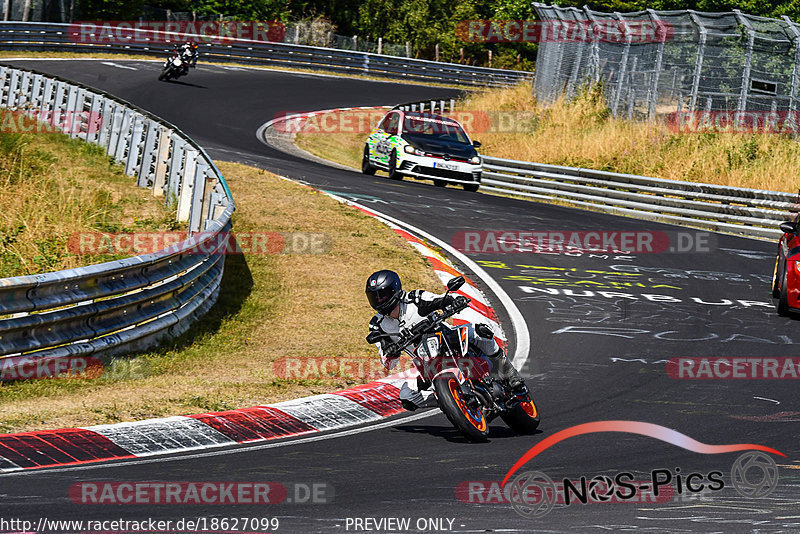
{"type": "Point", "coordinates": [414, 150]}
{"type": "Point", "coordinates": [475, 159]}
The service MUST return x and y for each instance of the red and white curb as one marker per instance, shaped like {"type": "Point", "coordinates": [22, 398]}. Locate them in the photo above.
{"type": "Point", "coordinates": [349, 407]}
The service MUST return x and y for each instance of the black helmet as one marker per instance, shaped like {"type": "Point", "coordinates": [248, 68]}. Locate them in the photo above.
{"type": "Point", "coordinates": [384, 291]}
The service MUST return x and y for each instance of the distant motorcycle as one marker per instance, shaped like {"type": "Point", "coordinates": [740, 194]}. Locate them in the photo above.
{"type": "Point", "coordinates": [174, 68]}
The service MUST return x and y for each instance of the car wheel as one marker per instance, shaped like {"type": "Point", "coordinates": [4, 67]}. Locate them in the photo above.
{"type": "Point", "coordinates": [471, 187]}
{"type": "Point", "coordinates": [439, 183]}
{"type": "Point", "coordinates": [782, 307]}
{"type": "Point", "coordinates": [366, 166]}
{"type": "Point", "coordinates": [393, 173]}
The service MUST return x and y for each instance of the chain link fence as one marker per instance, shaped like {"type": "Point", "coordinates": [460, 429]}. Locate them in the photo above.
{"type": "Point", "coordinates": [688, 61]}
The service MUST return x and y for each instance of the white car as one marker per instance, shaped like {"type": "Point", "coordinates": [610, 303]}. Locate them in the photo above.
{"type": "Point", "coordinates": [425, 146]}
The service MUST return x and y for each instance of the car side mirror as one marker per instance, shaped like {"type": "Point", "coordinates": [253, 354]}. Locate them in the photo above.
{"type": "Point", "coordinates": [789, 228]}
{"type": "Point", "coordinates": [374, 337]}
{"type": "Point", "coordinates": [476, 144]}
{"type": "Point", "coordinates": [455, 283]}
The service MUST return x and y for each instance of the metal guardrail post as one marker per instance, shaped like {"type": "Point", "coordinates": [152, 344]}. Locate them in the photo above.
{"type": "Point", "coordinates": [176, 167]}
{"type": "Point", "coordinates": [187, 185]}
{"type": "Point", "coordinates": [162, 161]}
{"type": "Point", "coordinates": [135, 140]}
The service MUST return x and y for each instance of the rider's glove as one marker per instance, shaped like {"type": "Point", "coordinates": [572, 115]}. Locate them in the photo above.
{"type": "Point", "coordinates": [461, 302]}
{"type": "Point", "coordinates": [391, 351]}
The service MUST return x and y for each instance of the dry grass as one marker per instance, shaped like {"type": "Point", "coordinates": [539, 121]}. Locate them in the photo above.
{"type": "Point", "coordinates": [53, 187]}
{"type": "Point", "coordinates": [271, 307]}
{"type": "Point", "coordinates": [581, 133]}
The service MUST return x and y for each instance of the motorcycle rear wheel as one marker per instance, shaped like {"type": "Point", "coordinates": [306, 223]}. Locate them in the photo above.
{"type": "Point", "coordinates": [523, 418]}
{"type": "Point", "coordinates": [469, 421]}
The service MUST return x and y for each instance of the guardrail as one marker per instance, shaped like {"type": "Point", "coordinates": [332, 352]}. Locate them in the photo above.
{"type": "Point", "coordinates": [58, 37]}
{"type": "Point", "coordinates": [738, 210]}
{"type": "Point", "coordinates": [134, 303]}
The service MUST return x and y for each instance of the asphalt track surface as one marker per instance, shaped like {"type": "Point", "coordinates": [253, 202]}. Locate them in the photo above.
{"type": "Point", "coordinates": [593, 357]}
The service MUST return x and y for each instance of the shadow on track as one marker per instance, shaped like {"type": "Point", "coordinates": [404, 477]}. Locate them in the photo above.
{"type": "Point", "coordinates": [187, 84]}
{"type": "Point", "coordinates": [454, 436]}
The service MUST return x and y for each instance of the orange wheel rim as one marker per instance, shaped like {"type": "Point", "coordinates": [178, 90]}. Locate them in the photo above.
{"type": "Point", "coordinates": [473, 416]}
{"type": "Point", "coordinates": [530, 408]}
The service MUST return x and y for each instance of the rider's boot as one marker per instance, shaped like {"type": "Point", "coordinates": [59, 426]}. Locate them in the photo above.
{"type": "Point", "coordinates": [506, 370]}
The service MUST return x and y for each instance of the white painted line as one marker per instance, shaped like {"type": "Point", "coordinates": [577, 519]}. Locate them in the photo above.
{"type": "Point", "coordinates": [111, 64]}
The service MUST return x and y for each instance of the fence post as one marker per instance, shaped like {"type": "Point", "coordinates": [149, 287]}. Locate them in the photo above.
{"type": "Point", "coordinates": [380, 45]}
{"type": "Point", "coordinates": [623, 63]}
{"type": "Point", "coordinates": [748, 60]}
{"type": "Point", "coordinates": [408, 49]}
{"type": "Point", "coordinates": [698, 64]}
{"type": "Point", "coordinates": [436, 51]}
{"type": "Point", "coordinates": [795, 73]}
{"type": "Point", "coordinates": [661, 36]}
{"type": "Point", "coordinates": [631, 88]}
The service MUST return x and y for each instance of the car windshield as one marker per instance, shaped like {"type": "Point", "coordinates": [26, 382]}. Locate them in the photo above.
{"type": "Point", "coordinates": [435, 127]}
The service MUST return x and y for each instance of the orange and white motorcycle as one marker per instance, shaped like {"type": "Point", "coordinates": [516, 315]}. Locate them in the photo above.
{"type": "Point", "coordinates": [468, 394]}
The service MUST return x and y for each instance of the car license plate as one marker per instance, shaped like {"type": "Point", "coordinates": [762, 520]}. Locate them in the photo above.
{"type": "Point", "coordinates": [448, 166]}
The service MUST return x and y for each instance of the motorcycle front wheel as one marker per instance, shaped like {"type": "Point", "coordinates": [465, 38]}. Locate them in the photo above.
{"type": "Point", "coordinates": [470, 421]}
{"type": "Point", "coordinates": [523, 418]}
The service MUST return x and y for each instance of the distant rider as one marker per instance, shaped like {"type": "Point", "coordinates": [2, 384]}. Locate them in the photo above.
{"type": "Point", "coordinates": [399, 309]}
{"type": "Point", "coordinates": [189, 54]}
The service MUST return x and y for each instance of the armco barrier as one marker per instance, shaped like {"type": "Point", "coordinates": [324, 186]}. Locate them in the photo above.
{"type": "Point", "coordinates": [738, 210]}
{"type": "Point", "coordinates": [133, 303]}
{"type": "Point", "coordinates": [57, 37]}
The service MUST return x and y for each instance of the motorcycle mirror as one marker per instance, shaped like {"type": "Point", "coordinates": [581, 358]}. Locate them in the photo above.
{"type": "Point", "coordinates": [455, 283]}
{"type": "Point", "coordinates": [374, 337]}
{"type": "Point", "coordinates": [788, 228]}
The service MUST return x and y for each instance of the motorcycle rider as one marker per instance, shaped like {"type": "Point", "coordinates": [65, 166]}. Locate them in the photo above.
{"type": "Point", "coordinates": [398, 309]}
{"type": "Point", "coordinates": [189, 54]}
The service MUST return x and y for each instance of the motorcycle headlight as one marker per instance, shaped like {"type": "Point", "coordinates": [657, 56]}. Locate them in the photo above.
{"type": "Point", "coordinates": [414, 150]}
{"type": "Point", "coordinates": [177, 62]}
{"type": "Point", "coordinates": [475, 159]}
